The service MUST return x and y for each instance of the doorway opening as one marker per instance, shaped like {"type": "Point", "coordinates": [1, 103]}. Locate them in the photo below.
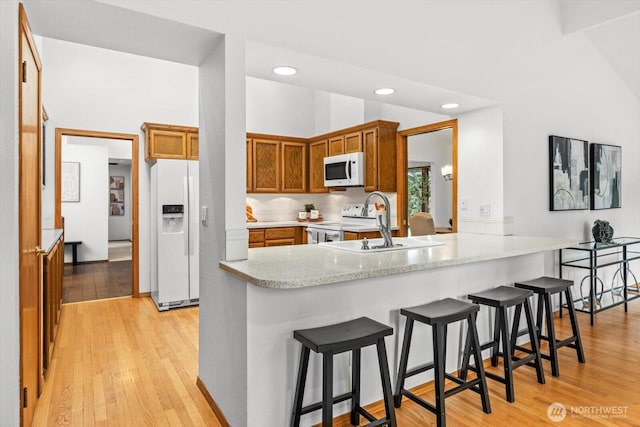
{"type": "Point", "coordinates": [122, 277]}
{"type": "Point", "coordinates": [419, 186]}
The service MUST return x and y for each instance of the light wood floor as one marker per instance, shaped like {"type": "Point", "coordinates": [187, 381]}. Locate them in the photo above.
{"type": "Point", "coordinates": [121, 362]}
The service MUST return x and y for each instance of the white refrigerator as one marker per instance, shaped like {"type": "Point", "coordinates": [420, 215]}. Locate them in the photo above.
{"type": "Point", "coordinates": [174, 233]}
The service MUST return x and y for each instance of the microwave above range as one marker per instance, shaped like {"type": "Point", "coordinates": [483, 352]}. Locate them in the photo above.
{"type": "Point", "coordinates": [344, 170]}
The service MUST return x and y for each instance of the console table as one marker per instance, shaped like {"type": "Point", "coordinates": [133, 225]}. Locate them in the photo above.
{"type": "Point", "coordinates": [593, 256]}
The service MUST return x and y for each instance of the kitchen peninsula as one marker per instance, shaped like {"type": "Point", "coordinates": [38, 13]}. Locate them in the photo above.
{"type": "Point", "coordinates": [297, 287]}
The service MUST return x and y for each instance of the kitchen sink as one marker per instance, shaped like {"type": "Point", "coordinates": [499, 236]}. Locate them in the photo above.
{"type": "Point", "coordinates": [399, 243]}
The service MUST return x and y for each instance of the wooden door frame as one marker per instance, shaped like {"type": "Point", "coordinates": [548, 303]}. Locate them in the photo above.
{"type": "Point", "coordinates": [60, 132]}
{"type": "Point", "coordinates": [402, 196]}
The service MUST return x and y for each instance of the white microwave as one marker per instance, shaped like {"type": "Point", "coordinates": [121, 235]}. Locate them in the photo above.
{"type": "Point", "coordinates": [344, 170]}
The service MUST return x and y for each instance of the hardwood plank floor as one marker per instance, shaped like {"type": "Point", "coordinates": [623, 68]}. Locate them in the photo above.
{"type": "Point", "coordinates": [121, 362]}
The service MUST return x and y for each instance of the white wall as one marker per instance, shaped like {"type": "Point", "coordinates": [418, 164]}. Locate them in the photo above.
{"type": "Point", "coordinates": [9, 302]}
{"type": "Point", "coordinates": [87, 220]}
{"type": "Point", "coordinates": [103, 90]}
{"type": "Point", "coordinates": [279, 109]}
{"type": "Point", "coordinates": [120, 225]}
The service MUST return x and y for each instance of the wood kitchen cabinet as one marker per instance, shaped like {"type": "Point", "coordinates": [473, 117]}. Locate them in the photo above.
{"type": "Point", "coordinates": [351, 235]}
{"type": "Point", "coordinates": [53, 273]}
{"type": "Point", "coordinates": [317, 152]}
{"type": "Point", "coordinates": [379, 146]}
{"type": "Point", "coordinates": [249, 165]}
{"type": "Point", "coordinates": [294, 167]}
{"type": "Point", "coordinates": [193, 147]}
{"type": "Point", "coordinates": [353, 142]}
{"type": "Point", "coordinates": [276, 164]}
{"type": "Point", "coordinates": [164, 141]}
{"type": "Point", "coordinates": [266, 166]}
{"type": "Point", "coordinates": [276, 236]}
{"type": "Point", "coordinates": [336, 145]}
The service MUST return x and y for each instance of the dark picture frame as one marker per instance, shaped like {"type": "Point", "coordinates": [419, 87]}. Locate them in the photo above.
{"type": "Point", "coordinates": [606, 176]}
{"type": "Point", "coordinates": [568, 174]}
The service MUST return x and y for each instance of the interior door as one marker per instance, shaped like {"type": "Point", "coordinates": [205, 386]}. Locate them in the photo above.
{"type": "Point", "coordinates": [30, 130]}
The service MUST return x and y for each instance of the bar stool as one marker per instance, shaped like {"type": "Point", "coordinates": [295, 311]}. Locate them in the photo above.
{"type": "Point", "coordinates": [438, 315]}
{"type": "Point", "coordinates": [544, 287]}
{"type": "Point", "coordinates": [334, 339]}
{"type": "Point", "coordinates": [502, 298]}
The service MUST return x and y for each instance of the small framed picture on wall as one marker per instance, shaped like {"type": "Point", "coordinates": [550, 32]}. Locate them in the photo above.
{"type": "Point", "coordinates": [116, 195]}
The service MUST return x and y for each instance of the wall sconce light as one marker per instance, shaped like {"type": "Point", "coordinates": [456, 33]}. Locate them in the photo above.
{"type": "Point", "coordinates": [447, 172]}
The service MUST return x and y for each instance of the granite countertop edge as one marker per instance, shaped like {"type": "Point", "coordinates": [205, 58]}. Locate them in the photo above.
{"type": "Point", "coordinates": [267, 279]}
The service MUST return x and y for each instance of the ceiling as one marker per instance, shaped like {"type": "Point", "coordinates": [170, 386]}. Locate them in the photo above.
{"type": "Point", "coordinates": [613, 26]}
{"type": "Point", "coordinates": [614, 29]}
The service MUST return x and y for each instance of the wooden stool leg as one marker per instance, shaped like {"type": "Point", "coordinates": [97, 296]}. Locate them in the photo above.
{"type": "Point", "coordinates": [535, 343]}
{"type": "Point", "coordinates": [386, 383]}
{"type": "Point", "coordinates": [355, 387]}
{"type": "Point", "coordinates": [302, 379]}
{"type": "Point", "coordinates": [506, 354]}
{"type": "Point", "coordinates": [477, 355]}
{"type": "Point", "coordinates": [404, 356]}
{"type": "Point", "coordinates": [551, 336]}
{"type": "Point", "coordinates": [574, 326]}
{"type": "Point", "coordinates": [495, 348]}
{"type": "Point", "coordinates": [515, 329]}
{"type": "Point", "coordinates": [439, 344]}
{"type": "Point", "coordinates": [466, 356]}
{"type": "Point", "coordinates": [327, 389]}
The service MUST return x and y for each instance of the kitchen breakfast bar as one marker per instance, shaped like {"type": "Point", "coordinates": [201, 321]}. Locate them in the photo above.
{"type": "Point", "coordinates": [306, 286]}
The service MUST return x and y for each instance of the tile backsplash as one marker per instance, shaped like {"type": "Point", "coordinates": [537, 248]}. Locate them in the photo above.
{"type": "Point", "coordinates": [285, 207]}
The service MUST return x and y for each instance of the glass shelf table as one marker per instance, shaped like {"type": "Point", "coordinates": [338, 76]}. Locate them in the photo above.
{"type": "Point", "coordinates": [593, 256]}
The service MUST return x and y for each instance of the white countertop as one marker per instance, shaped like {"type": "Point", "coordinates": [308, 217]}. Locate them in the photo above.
{"type": "Point", "coordinates": [299, 266]}
{"type": "Point", "coordinates": [49, 237]}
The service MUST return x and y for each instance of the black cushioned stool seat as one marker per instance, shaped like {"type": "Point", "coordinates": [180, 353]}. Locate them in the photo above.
{"type": "Point", "coordinates": [438, 315]}
{"type": "Point", "coordinates": [544, 287]}
{"type": "Point", "coordinates": [502, 298]}
{"type": "Point", "coordinates": [333, 339]}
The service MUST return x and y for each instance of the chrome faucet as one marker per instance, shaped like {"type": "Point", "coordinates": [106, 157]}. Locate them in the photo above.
{"type": "Point", "coordinates": [385, 229]}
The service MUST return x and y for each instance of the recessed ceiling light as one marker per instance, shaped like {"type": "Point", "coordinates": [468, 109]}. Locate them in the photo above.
{"type": "Point", "coordinates": [285, 70]}
{"type": "Point", "coordinates": [384, 91]}
{"type": "Point", "coordinates": [449, 106]}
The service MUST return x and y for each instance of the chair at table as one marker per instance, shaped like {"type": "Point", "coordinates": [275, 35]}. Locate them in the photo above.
{"type": "Point", "coordinates": [421, 224]}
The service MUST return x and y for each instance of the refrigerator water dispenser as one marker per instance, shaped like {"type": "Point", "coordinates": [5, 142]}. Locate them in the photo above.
{"type": "Point", "coordinates": [172, 218]}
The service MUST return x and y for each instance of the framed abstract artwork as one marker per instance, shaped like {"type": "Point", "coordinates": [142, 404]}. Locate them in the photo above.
{"type": "Point", "coordinates": [70, 182]}
{"type": "Point", "coordinates": [568, 174]}
{"type": "Point", "coordinates": [606, 176]}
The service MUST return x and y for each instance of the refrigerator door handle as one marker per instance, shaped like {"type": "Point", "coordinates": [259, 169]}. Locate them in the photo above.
{"type": "Point", "coordinates": [187, 214]}
{"type": "Point", "coordinates": [193, 218]}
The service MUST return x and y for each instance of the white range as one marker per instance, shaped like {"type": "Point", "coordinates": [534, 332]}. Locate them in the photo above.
{"type": "Point", "coordinates": [352, 219]}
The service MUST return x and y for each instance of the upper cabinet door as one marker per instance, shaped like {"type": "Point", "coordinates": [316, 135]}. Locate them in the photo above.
{"type": "Point", "coordinates": [167, 144]}
{"type": "Point", "coordinates": [164, 141]}
{"type": "Point", "coordinates": [336, 145]}
{"type": "Point", "coordinates": [266, 166]}
{"type": "Point", "coordinates": [370, 160]}
{"type": "Point", "coordinates": [353, 142]}
{"type": "Point", "coordinates": [249, 165]}
{"type": "Point", "coordinates": [294, 167]}
{"type": "Point", "coordinates": [317, 152]}
{"type": "Point", "coordinates": [193, 149]}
